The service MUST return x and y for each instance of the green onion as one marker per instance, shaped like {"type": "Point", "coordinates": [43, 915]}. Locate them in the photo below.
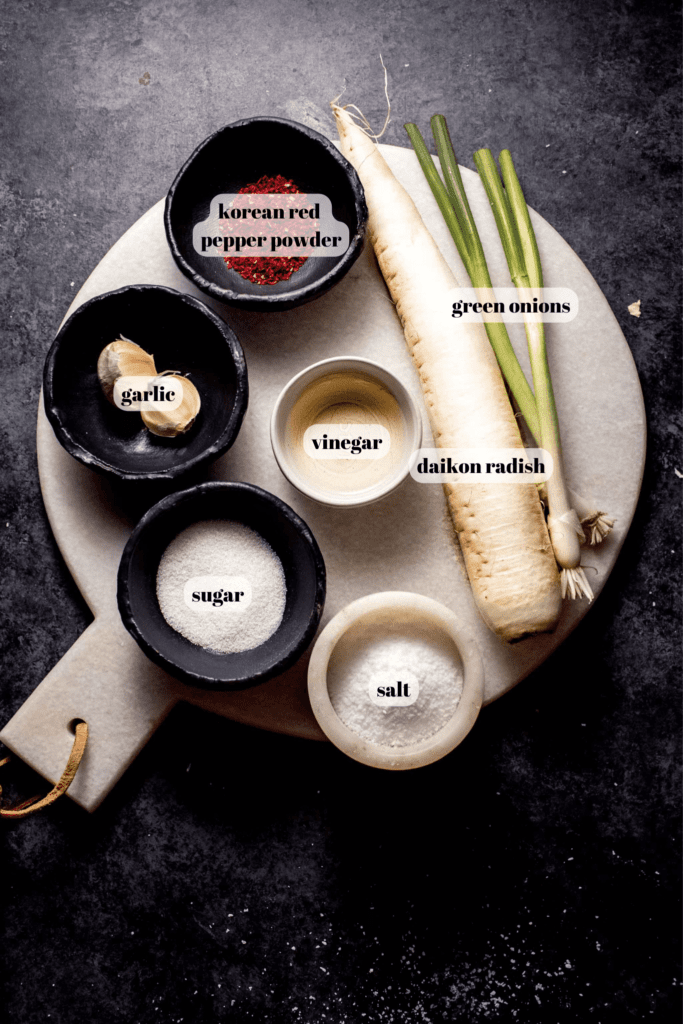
{"type": "Point", "coordinates": [519, 242]}
{"type": "Point", "coordinates": [455, 208]}
{"type": "Point", "coordinates": [450, 214]}
{"type": "Point", "coordinates": [456, 191]}
{"type": "Point", "coordinates": [505, 221]}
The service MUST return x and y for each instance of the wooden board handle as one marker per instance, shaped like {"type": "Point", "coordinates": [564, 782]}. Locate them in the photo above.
{"type": "Point", "coordinates": [106, 681]}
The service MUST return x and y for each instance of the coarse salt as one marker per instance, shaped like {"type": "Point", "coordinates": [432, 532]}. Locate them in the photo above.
{"type": "Point", "coordinates": [401, 648]}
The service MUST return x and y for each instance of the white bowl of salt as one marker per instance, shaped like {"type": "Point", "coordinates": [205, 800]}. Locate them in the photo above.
{"type": "Point", "coordinates": [395, 680]}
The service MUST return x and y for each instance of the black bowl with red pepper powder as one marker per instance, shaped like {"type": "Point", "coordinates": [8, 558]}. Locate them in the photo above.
{"type": "Point", "coordinates": [264, 155]}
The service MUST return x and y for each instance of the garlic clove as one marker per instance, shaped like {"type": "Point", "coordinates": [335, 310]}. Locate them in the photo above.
{"type": "Point", "coordinates": [122, 358]}
{"type": "Point", "coordinates": [176, 421]}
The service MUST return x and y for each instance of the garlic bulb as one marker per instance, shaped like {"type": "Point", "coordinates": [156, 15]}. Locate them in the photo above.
{"type": "Point", "coordinates": [122, 358]}
{"type": "Point", "coordinates": [170, 423]}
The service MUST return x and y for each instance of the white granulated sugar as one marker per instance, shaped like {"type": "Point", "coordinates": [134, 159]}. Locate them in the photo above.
{"type": "Point", "coordinates": [400, 648]}
{"type": "Point", "coordinates": [222, 547]}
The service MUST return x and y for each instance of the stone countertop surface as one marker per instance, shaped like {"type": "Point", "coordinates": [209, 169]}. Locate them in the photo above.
{"type": "Point", "coordinates": [235, 875]}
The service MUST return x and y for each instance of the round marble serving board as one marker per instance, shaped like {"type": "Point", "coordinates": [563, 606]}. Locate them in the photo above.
{"type": "Point", "coordinates": [404, 542]}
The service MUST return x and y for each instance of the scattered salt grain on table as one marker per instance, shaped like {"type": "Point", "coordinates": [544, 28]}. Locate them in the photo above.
{"type": "Point", "coordinates": [215, 548]}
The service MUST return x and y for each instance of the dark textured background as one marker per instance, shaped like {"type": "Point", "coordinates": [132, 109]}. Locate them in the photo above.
{"type": "Point", "coordinates": [238, 876]}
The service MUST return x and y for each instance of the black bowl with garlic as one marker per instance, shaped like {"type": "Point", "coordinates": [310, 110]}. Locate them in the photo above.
{"type": "Point", "coordinates": [145, 383]}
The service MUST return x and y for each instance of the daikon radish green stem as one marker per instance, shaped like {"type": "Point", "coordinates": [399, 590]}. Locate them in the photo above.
{"type": "Point", "coordinates": [500, 526]}
{"type": "Point", "coordinates": [519, 242]}
{"type": "Point", "coordinates": [456, 211]}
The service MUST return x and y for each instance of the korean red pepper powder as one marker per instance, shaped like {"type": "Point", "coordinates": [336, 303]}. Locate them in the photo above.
{"type": "Point", "coordinates": [267, 269]}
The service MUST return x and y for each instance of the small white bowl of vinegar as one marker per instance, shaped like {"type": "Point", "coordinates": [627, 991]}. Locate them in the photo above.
{"type": "Point", "coordinates": [343, 431]}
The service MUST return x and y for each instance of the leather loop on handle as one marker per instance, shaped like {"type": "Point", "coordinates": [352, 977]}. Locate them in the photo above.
{"type": "Point", "coordinates": [36, 803]}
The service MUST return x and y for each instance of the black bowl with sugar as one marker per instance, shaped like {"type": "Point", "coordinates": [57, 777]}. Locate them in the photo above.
{"type": "Point", "coordinates": [289, 538]}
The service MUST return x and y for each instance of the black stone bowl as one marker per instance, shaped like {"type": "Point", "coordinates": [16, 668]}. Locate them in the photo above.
{"type": "Point", "coordinates": [290, 539]}
{"type": "Point", "coordinates": [238, 155]}
{"type": "Point", "coordinates": [182, 334]}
